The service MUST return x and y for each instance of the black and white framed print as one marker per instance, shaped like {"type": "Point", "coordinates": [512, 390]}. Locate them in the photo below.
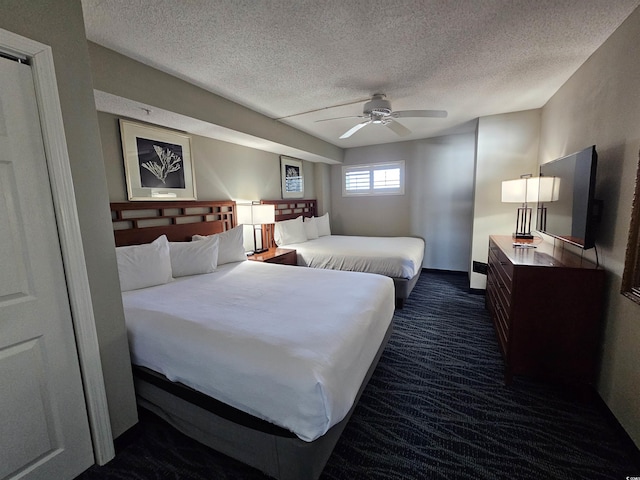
{"type": "Point", "coordinates": [158, 163]}
{"type": "Point", "coordinates": [292, 177]}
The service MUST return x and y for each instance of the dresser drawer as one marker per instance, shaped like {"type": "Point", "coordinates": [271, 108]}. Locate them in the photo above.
{"type": "Point", "coordinates": [502, 261]}
{"type": "Point", "coordinates": [499, 293]}
{"type": "Point", "coordinates": [499, 308]}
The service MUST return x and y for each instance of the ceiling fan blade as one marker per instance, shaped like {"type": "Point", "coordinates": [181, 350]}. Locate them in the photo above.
{"type": "Point", "coordinates": [420, 113]}
{"type": "Point", "coordinates": [354, 129]}
{"type": "Point", "coordinates": [338, 118]}
{"type": "Point", "coordinates": [398, 128]}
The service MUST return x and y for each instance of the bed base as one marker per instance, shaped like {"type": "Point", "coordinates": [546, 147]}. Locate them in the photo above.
{"type": "Point", "coordinates": [403, 287]}
{"type": "Point", "coordinates": [277, 454]}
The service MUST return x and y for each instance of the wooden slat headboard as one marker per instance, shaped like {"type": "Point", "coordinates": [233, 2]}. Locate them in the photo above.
{"type": "Point", "coordinates": [287, 210]}
{"type": "Point", "coordinates": [135, 223]}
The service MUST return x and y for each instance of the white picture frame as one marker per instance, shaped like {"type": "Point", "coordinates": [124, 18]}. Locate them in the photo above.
{"type": "Point", "coordinates": [158, 163]}
{"type": "Point", "coordinates": [292, 177]}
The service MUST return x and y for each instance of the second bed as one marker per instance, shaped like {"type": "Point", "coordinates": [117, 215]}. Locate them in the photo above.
{"type": "Point", "coordinates": [399, 258]}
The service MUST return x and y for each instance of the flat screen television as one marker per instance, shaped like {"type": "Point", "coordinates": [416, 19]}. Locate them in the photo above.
{"type": "Point", "coordinates": [567, 210]}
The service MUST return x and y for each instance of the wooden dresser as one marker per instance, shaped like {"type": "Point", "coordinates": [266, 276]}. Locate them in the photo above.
{"type": "Point", "coordinates": [546, 305]}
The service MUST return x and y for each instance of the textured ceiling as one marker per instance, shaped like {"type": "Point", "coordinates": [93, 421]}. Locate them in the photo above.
{"type": "Point", "coordinates": [282, 58]}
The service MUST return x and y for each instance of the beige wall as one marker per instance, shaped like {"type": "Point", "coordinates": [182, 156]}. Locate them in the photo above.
{"type": "Point", "coordinates": [383, 215]}
{"type": "Point", "coordinates": [507, 147]}
{"type": "Point", "coordinates": [124, 77]}
{"type": "Point", "coordinates": [322, 184]}
{"type": "Point", "coordinates": [62, 28]}
{"type": "Point", "coordinates": [441, 199]}
{"type": "Point", "coordinates": [600, 104]}
{"type": "Point", "coordinates": [223, 170]}
{"type": "Point", "coordinates": [437, 204]}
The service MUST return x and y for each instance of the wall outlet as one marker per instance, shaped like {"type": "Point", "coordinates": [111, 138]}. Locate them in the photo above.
{"type": "Point", "coordinates": [479, 267]}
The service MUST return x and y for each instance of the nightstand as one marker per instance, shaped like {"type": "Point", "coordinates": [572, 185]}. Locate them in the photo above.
{"type": "Point", "coordinates": [283, 256]}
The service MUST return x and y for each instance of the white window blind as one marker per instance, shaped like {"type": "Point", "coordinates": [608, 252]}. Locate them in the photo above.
{"type": "Point", "coordinates": [357, 180]}
{"type": "Point", "coordinates": [373, 179]}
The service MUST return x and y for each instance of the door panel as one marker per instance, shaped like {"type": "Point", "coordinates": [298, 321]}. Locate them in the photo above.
{"type": "Point", "coordinates": [14, 273]}
{"type": "Point", "coordinates": [44, 430]}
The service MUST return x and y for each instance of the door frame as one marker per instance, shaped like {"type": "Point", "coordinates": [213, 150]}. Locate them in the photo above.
{"type": "Point", "coordinates": [40, 58]}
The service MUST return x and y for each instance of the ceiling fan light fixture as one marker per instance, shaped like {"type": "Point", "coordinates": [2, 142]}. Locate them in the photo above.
{"type": "Point", "coordinates": [378, 111]}
{"type": "Point", "coordinates": [378, 118]}
{"type": "Point", "coordinates": [377, 105]}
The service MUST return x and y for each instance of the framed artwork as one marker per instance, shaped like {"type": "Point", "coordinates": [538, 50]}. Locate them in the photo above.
{"type": "Point", "coordinates": [157, 163]}
{"type": "Point", "coordinates": [292, 177]}
{"type": "Point", "coordinates": [631, 274]}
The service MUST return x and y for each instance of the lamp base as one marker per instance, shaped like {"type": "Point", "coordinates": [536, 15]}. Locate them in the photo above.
{"type": "Point", "coordinates": [524, 236]}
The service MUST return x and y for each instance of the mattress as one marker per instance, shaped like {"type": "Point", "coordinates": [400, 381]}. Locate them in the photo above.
{"type": "Point", "coordinates": [286, 344]}
{"type": "Point", "coordinates": [399, 257]}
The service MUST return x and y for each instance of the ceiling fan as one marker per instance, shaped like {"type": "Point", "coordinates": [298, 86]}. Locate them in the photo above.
{"type": "Point", "coordinates": [378, 111]}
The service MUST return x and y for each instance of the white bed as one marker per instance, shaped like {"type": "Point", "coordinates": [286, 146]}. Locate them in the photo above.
{"type": "Point", "coordinates": [262, 362]}
{"type": "Point", "coordinates": [399, 257]}
{"type": "Point", "coordinates": [298, 227]}
{"type": "Point", "coordinates": [257, 337]}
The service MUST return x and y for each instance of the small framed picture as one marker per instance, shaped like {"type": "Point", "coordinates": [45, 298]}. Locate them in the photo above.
{"type": "Point", "coordinates": [292, 177]}
{"type": "Point", "coordinates": [157, 162]}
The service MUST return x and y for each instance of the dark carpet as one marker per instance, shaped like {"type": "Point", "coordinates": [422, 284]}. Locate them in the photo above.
{"type": "Point", "coordinates": [435, 408]}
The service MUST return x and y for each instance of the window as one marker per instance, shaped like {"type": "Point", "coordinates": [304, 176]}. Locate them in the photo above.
{"type": "Point", "coordinates": [374, 179]}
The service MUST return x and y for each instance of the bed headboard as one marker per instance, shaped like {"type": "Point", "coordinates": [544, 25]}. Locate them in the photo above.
{"type": "Point", "coordinates": [287, 210]}
{"type": "Point", "coordinates": [135, 223]}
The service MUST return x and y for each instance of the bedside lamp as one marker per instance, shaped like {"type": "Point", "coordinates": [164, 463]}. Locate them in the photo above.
{"type": "Point", "coordinates": [528, 189]}
{"type": "Point", "coordinates": [548, 189]}
{"type": "Point", "coordinates": [256, 215]}
{"type": "Point", "coordinates": [519, 191]}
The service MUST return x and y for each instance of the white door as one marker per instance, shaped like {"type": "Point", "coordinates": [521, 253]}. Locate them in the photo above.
{"type": "Point", "coordinates": [44, 430]}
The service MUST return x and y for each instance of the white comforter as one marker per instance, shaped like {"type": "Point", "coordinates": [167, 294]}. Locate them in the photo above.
{"type": "Point", "coordinates": [399, 257]}
{"type": "Point", "coordinates": [287, 344]}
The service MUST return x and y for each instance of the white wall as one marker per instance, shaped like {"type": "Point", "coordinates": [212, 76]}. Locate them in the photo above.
{"type": "Point", "coordinates": [507, 148]}
{"type": "Point", "coordinates": [600, 104]}
{"type": "Point", "coordinates": [437, 204]}
{"type": "Point", "coordinates": [440, 199]}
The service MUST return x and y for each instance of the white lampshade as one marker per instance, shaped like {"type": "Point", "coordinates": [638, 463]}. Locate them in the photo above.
{"type": "Point", "coordinates": [515, 191]}
{"type": "Point", "coordinates": [531, 190]}
{"type": "Point", "coordinates": [243, 214]}
{"type": "Point", "coordinates": [548, 189]}
{"type": "Point", "coordinates": [255, 214]}
{"type": "Point", "coordinates": [263, 214]}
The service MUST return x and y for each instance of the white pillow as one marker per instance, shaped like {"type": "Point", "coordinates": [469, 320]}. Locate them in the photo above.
{"type": "Point", "coordinates": [141, 266]}
{"type": "Point", "coordinates": [287, 232]}
{"type": "Point", "coordinates": [231, 245]}
{"type": "Point", "coordinates": [310, 228]}
{"type": "Point", "coordinates": [323, 225]}
{"type": "Point", "coordinates": [194, 258]}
